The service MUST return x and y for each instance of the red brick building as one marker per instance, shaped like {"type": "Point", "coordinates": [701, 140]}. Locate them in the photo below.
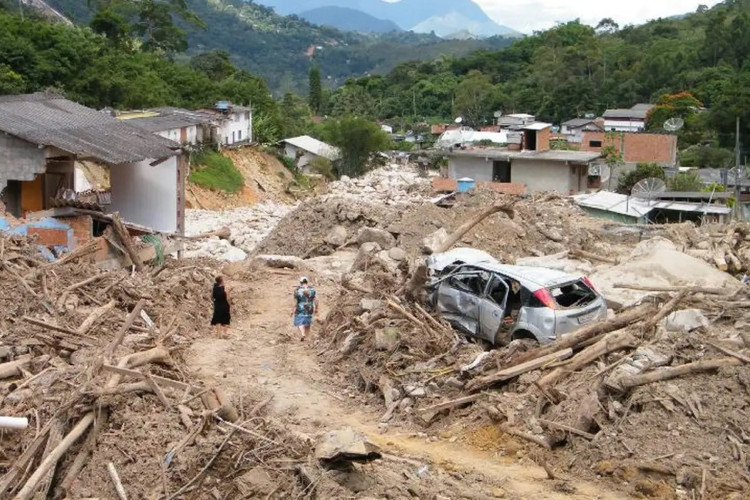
{"type": "Point", "coordinates": [636, 147]}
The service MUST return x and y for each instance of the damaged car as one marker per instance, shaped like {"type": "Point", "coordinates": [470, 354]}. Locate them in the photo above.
{"type": "Point", "coordinates": [499, 303]}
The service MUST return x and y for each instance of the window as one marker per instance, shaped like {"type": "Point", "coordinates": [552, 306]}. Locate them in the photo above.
{"type": "Point", "coordinates": [474, 283]}
{"type": "Point", "coordinates": [595, 144]}
{"type": "Point", "coordinates": [239, 135]}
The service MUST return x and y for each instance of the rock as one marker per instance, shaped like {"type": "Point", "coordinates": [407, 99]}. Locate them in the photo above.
{"type": "Point", "coordinates": [343, 446]}
{"type": "Point", "coordinates": [350, 343]}
{"type": "Point", "coordinates": [431, 243]}
{"type": "Point", "coordinates": [337, 236]}
{"type": "Point", "coordinates": [397, 254]}
{"type": "Point", "coordinates": [375, 235]}
{"type": "Point", "coordinates": [387, 339]}
{"type": "Point", "coordinates": [455, 383]}
{"type": "Point", "coordinates": [255, 482]}
{"type": "Point", "coordinates": [366, 304]}
{"type": "Point", "coordinates": [5, 351]}
{"type": "Point", "coordinates": [415, 392]}
{"type": "Point", "coordinates": [365, 251]}
{"type": "Point", "coordinates": [405, 403]}
{"type": "Point", "coordinates": [280, 261]}
{"type": "Point", "coordinates": [389, 264]}
{"type": "Point", "coordinates": [686, 320]}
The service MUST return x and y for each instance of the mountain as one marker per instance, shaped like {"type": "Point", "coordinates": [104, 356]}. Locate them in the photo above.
{"type": "Point", "coordinates": [408, 14]}
{"type": "Point", "coordinates": [445, 26]}
{"type": "Point", "coordinates": [348, 20]}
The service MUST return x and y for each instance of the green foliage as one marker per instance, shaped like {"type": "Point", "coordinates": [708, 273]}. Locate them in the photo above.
{"type": "Point", "coordinates": [720, 188]}
{"type": "Point", "coordinates": [265, 129]}
{"type": "Point", "coordinates": [707, 156]}
{"type": "Point", "coordinates": [685, 182]}
{"type": "Point", "coordinates": [642, 171]}
{"type": "Point", "coordinates": [358, 139]}
{"type": "Point", "coordinates": [10, 81]}
{"type": "Point", "coordinates": [403, 146]}
{"type": "Point", "coordinates": [322, 166]}
{"type": "Point", "coordinates": [475, 98]}
{"type": "Point", "coordinates": [561, 145]}
{"type": "Point", "coordinates": [214, 64]}
{"type": "Point", "coordinates": [488, 143]}
{"type": "Point", "coordinates": [217, 172]}
{"type": "Point", "coordinates": [295, 116]}
{"type": "Point", "coordinates": [315, 90]}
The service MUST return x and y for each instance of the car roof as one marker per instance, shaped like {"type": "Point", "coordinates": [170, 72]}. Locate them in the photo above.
{"type": "Point", "coordinates": [529, 276]}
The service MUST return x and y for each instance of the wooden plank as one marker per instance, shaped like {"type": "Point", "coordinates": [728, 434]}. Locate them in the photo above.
{"type": "Point", "coordinates": [517, 370]}
{"type": "Point", "coordinates": [451, 404]}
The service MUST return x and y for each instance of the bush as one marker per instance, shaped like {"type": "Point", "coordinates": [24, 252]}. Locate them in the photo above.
{"type": "Point", "coordinates": [217, 172]}
{"type": "Point", "coordinates": [322, 166]}
{"type": "Point", "coordinates": [357, 139]}
{"type": "Point", "coordinates": [685, 182]}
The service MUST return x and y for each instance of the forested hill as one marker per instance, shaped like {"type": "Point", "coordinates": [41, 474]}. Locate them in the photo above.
{"type": "Point", "coordinates": [278, 48]}
{"type": "Point", "coordinates": [575, 69]}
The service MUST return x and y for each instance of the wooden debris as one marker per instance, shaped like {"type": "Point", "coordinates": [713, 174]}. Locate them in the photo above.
{"type": "Point", "coordinates": [464, 228]}
{"type": "Point", "coordinates": [115, 477]}
{"type": "Point", "coordinates": [127, 243]}
{"type": "Point", "coordinates": [514, 371]}
{"type": "Point", "coordinates": [677, 371]}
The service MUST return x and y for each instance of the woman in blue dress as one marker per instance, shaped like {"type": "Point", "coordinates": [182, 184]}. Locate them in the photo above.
{"type": "Point", "coordinates": [306, 306]}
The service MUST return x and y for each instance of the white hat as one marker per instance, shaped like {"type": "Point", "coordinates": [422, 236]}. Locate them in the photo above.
{"type": "Point", "coordinates": [303, 279]}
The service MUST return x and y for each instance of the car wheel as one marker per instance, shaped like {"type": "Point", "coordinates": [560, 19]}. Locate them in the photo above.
{"type": "Point", "coordinates": [524, 335]}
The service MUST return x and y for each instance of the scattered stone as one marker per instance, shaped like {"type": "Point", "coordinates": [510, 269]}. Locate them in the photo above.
{"type": "Point", "coordinates": [337, 236]}
{"type": "Point", "coordinates": [387, 339]}
{"type": "Point", "coordinates": [415, 392]}
{"type": "Point", "coordinates": [432, 242]}
{"type": "Point", "coordinates": [366, 304]}
{"type": "Point", "coordinates": [375, 235]}
{"type": "Point", "coordinates": [255, 482]}
{"type": "Point", "coordinates": [455, 383]}
{"type": "Point", "coordinates": [343, 446]}
{"type": "Point", "coordinates": [5, 351]}
{"type": "Point", "coordinates": [686, 320]}
{"type": "Point", "coordinates": [280, 261]}
{"type": "Point", "coordinates": [397, 254]}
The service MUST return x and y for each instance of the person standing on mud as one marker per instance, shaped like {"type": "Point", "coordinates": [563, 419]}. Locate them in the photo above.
{"type": "Point", "coordinates": [220, 297]}
{"type": "Point", "coordinates": [306, 306]}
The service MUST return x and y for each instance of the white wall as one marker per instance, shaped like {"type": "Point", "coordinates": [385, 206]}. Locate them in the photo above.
{"type": "Point", "coordinates": [475, 168]}
{"type": "Point", "coordinates": [146, 195]}
{"type": "Point", "coordinates": [540, 175]}
{"type": "Point", "coordinates": [236, 127]}
{"type": "Point", "coordinates": [624, 125]}
{"type": "Point", "coordinates": [175, 135]}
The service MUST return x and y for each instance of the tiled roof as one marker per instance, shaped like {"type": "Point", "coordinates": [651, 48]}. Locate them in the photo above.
{"type": "Point", "coordinates": [51, 120]}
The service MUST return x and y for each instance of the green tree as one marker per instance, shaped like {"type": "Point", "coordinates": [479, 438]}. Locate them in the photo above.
{"type": "Point", "coordinates": [357, 139]}
{"type": "Point", "coordinates": [295, 115]}
{"type": "Point", "coordinates": [10, 81]}
{"type": "Point", "coordinates": [112, 25]}
{"type": "Point", "coordinates": [642, 171]}
{"type": "Point", "coordinates": [315, 90]}
{"type": "Point", "coordinates": [706, 156]}
{"type": "Point", "coordinates": [215, 64]}
{"type": "Point", "coordinates": [475, 96]}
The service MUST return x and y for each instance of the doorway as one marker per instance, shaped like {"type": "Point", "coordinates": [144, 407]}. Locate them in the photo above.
{"type": "Point", "coordinates": [501, 171]}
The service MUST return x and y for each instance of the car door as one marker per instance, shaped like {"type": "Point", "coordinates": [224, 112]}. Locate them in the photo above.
{"type": "Point", "coordinates": [492, 308]}
{"type": "Point", "coordinates": [459, 296]}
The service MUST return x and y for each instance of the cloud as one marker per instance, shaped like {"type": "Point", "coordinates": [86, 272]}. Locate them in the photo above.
{"type": "Point", "coordinates": [528, 16]}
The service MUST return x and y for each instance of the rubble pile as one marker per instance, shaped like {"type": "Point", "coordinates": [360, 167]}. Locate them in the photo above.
{"type": "Point", "coordinates": [248, 226]}
{"type": "Point", "coordinates": [654, 397]}
{"type": "Point", "coordinates": [389, 185]}
{"type": "Point", "coordinates": [92, 361]}
{"type": "Point", "coordinates": [726, 247]}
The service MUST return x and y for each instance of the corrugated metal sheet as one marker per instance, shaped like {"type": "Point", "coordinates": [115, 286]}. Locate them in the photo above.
{"type": "Point", "coordinates": [638, 207]}
{"type": "Point", "coordinates": [163, 119]}
{"type": "Point", "coordinates": [51, 120]}
{"type": "Point", "coordinates": [314, 146]}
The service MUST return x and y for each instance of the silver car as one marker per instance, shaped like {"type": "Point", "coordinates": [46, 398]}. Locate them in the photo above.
{"type": "Point", "coordinates": [499, 303]}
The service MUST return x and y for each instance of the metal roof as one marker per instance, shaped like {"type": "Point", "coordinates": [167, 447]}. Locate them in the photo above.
{"type": "Point", "coordinates": [167, 118]}
{"type": "Point", "coordinates": [536, 126]}
{"type": "Point", "coordinates": [549, 155]}
{"type": "Point", "coordinates": [580, 122]}
{"type": "Point", "coordinates": [637, 112]}
{"type": "Point", "coordinates": [314, 146]}
{"type": "Point", "coordinates": [639, 207]}
{"type": "Point", "coordinates": [51, 120]}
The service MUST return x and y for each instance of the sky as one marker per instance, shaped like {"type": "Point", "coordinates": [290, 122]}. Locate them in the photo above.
{"type": "Point", "coordinates": [530, 15]}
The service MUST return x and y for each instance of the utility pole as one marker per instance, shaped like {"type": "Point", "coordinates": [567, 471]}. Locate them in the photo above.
{"type": "Point", "coordinates": [737, 190]}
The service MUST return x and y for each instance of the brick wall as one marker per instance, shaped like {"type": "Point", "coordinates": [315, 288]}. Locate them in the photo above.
{"type": "Point", "coordinates": [83, 228]}
{"type": "Point", "coordinates": [636, 147]}
{"type": "Point", "coordinates": [447, 185]}
{"type": "Point", "coordinates": [542, 139]}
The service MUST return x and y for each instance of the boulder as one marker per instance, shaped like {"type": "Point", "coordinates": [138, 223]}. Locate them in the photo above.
{"type": "Point", "coordinates": [686, 320]}
{"type": "Point", "coordinates": [432, 243]}
{"type": "Point", "coordinates": [397, 254]}
{"type": "Point", "coordinates": [366, 304]}
{"type": "Point", "coordinates": [280, 261]}
{"type": "Point", "coordinates": [337, 236]}
{"type": "Point", "coordinates": [255, 482]}
{"type": "Point", "coordinates": [344, 446]}
{"type": "Point", "coordinates": [375, 235]}
{"type": "Point", "coordinates": [387, 339]}
{"type": "Point", "coordinates": [365, 251]}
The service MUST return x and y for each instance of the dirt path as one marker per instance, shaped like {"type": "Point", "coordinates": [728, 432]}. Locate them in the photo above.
{"type": "Point", "coordinates": [260, 351]}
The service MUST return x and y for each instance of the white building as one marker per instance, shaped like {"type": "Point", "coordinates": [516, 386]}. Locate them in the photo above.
{"type": "Point", "coordinates": [627, 120]}
{"type": "Point", "coordinates": [304, 149]}
{"type": "Point", "coordinates": [574, 129]}
{"type": "Point", "coordinates": [180, 125]}
{"type": "Point", "coordinates": [234, 123]}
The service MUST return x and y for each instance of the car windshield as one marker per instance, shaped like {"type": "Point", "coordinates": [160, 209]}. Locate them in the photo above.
{"type": "Point", "coordinates": [571, 295]}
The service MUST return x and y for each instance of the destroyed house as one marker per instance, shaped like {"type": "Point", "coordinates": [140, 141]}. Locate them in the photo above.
{"type": "Point", "coordinates": [43, 135]}
{"type": "Point", "coordinates": [180, 125]}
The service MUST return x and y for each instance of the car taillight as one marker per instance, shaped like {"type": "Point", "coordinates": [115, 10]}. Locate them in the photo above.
{"type": "Point", "coordinates": [589, 284]}
{"type": "Point", "coordinates": [546, 298]}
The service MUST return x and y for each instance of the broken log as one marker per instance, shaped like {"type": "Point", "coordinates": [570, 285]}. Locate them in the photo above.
{"type": "Point", "coordinates": [115, 477]}
{"type": "Point", "coordinates": [729, 352]}
{"type": "Point", "coordinates": [464, 228]}
{"type": "Point", "coordinates": [125, 327]}
{"type": "Point", "coordinates": [83, 455]}
{"type": "Point", "coordinates": [448, 405]}
{"type": "Point", "coordinates": [93, 318]}
{"type": "Point", "coordinates": [567, 428]}
{"type": "Point", "coordinates": [216, 401]}
{"type": "Point", "coordinates": [582, 254]}
{"type": "Point", "coordinates": [691, 289]}
{"type": "Point", "coordinates": [515, 371]}
{"type": "Point", "coordinates": [385, 384]}
{"type": "Point", "coordinates": [13, 368]}
{"type": "Point", "coordinates": [50, 460]}
{"type": "Point", "coordinates": [543, 442]}
{"type": "Point", "coordinates": [55, 436]}
{"type": "Point", "coordinates": [590, 331]}
{"type": "Point", "coordinates": [124, 236]}
{"type": "Point", "coordinates": [677, 371]}
{"type": "Point", "coordinates": [55, 328]}
{"type": "Point", "coordinates": [612, 342]}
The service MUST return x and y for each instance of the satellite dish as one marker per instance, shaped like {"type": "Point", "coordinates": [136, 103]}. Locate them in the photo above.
{"type": "Point", "coordinates": [498, 114]}
{"type": "Point", "coordinates": [646, 187]}
{"type": "Point", "coordinates": [674, 124]}
{"type": "Point", "coordinates": [459, 120]}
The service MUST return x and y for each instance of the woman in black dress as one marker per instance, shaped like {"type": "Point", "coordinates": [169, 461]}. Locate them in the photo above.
{"type": "Point", "coordinates": [220, 298]}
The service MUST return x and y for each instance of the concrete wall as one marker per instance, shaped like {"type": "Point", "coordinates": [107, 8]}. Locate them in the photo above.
{"type": "Point", "coordinates": [624, 125]}
{"type": "Point", "coordinates": [637, 148]}
{"type": "Point", "coordinates": [19, 160]}
{"type": "Point", "coordinates": [147, 195]}
{"type": "Point", "coordinates": [184, 135]}
{"type": "Point", "coordinates": [48, 232]}
{"type": "Point", "coordinates": [476, 168]}
{"type": "Point", "coordinates": [539, 175]}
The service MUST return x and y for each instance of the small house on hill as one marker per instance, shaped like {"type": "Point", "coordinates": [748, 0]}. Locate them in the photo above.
{"type": "Point", "coordinates": [180, 125]}
{"type": "Point", "coordinates": [574, 129]}
{"type": "Point", "coordinates": [304, 149]}
{"type": "Point", "coordinates": [627, 120]}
